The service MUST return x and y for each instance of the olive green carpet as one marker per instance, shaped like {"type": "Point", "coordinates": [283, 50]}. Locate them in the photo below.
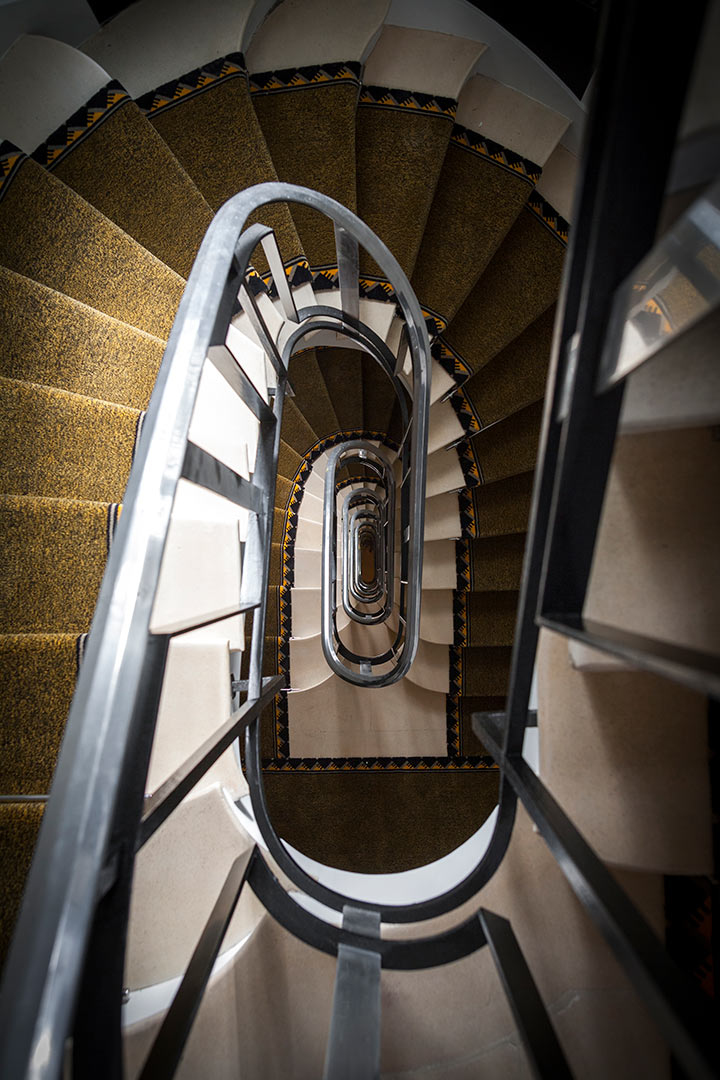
{"type": "Point", "coordinates": [207, 119]}
{"type": "Point", "coordinates": [52, 235]}
{"type": "Point", "coordinates": [520, 282]}
{"type": "Point", "coordinates": [481, 189]}
{"type": "Point", "coordinates": [400, 144]}
{"type": "Point", "coordinates": [308, 120]}
{"type": "Point", "coordinates": [126, 170]}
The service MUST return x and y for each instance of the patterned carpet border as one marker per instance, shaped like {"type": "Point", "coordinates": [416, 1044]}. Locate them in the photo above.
{"type": "Point", "coordinates": [81, 124]}
{"type": "Point", "coordinates": [11, 158]}
{"type": "Point", "coordinates": [384, 97]}
{"type": "Point", "coordinates": [548, 215]}
{"type": "Point", "coordinates": [192, 83]}
{"type": "Point", "coordinates": [496, 153]}
{"type": "Point", "coordinates": [283, 80]}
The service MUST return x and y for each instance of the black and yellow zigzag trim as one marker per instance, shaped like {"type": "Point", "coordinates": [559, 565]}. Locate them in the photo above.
{"type": "Point", "coordinates": [550, 218]}
{"type": "Point", "coordinates": [460, 628]}
{"type": "Point", "coordinates": [465, 413]}
{"type": "Point", "coordinates": [380, 764]}
{"type": "Point", "coordinates": [467, 513]}
{"type": "Point", "coordinates": [81, 124]}
{"type": "Point", "coordinates": [383, 97]}
{"type": "Point", "coordinates": [11, 158]}
{"type": "Point", "coordinates": [469, 464]}
{"type": "Point", "coordinates": [451, 361]}
{"type": "Point", "coordinates": [374, 288]}
{"type": "Point", "coordinates": [194, 82]}
{"type": "Point", "coordinates": [347, 72]}
{"type": "Point", "coordinates": [496, 153]}
{"type": "Point", "coordinates": [297, 271]}
{"type": "Point", "coordinates": [453, 709]}
{"type": "Point", "coordinates": [462, 565]}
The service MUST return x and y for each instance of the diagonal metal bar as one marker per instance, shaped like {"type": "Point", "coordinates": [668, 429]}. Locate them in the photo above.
{"type": "Point", "coordinates": [169, 795]}
{"type": "Point", "coordinates": [232, 372]}
{"type": "Point", "coordinates": [353, 1049]}
{"type": "Point", "coordinates": [348, 260]}
{"type": "Point", "coordinates": [690, 667]}
{"type": "Point", "coordinates": [259, 325]}
{"type": "Point", "coordinates": [545, 1055]}
{"type": "Point", "coordinates": [204, 469]}
{"type": "Point", "coordinates": [272, 254]}
{"type": "Point", "coordinates": [676, 1005]}
{"type": "Point", "coordinates": [166, 1051]}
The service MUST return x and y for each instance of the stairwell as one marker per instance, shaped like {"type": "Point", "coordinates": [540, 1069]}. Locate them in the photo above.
{"type": "Point", "coordinates": [117, 156]}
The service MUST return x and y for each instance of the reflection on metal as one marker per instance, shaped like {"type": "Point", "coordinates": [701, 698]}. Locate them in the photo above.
{"type": "Point", "coordinates": [675, 286]}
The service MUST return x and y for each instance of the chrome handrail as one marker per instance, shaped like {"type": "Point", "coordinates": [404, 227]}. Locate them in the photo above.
{"type": "Point", "coordinates": [77, 892]}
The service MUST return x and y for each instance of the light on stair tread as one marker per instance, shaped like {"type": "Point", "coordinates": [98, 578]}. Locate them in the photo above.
{"type": "Point", "coordinates": [510, 118]}
{"type": "Point", "coordinates": [52, 80]}
{"type": "Point", "coordinates": [137, 49]}
{"type": "Point", "coordinates": [421, 60]}
{"type": "Point", "coordinates": [341, 30]}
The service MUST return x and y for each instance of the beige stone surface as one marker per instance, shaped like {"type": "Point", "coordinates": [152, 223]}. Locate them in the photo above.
{"type": "Point", "coordinates": [154, 41]}
{"type": "Point", "coordinates": [444, 473]}
{"type": "Point", "coordinates": [444, 427]}
{"type": "Point", "coordinates": [626, 756]}
{"type": "Point", "coordinates": [656, 569]}
{"type": "Point", "coordinates": [178, 876]}
{"type": "Point", "coordinates": [51, 80]}
{"type": "Point", "coordinates": [304, 32]}
{"type": "Point", "coordinates": [336, 719]}
{"type": "Point", "coordinates": [422, 60]}
{"type": "Point", "coordinates": [558, 180]}
{"type": "Point", "coordinates": [514, 120]}
{"type": "Point", "coordinates": [442, 517]}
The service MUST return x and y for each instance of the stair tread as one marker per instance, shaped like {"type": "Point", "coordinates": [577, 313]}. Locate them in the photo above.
{"type": "Point", "coordinates": [54, 558]}
{"type": "Point", "coordinates": [41, 459]}
{"type": "Point", "coordinates": [52, 235]}
{"type": "Point", "coordinates": [73, 347]}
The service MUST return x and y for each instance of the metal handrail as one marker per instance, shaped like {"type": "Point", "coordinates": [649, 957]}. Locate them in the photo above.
{"type": "Point", "coordinates": [67, 954]}
{"type": "Point", "coordinates": [402, 651]}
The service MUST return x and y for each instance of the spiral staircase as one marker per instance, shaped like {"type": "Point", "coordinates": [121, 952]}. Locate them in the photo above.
{"type": "Point", "coordinates": [117, 157]}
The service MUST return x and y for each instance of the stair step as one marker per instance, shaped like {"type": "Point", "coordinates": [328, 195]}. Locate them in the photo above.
{"type": "Point", "coordinates": [504, 506]}
{"type": "Point", "coordinates": [37, 681]}
{"type": "Point", "coordinates": [300, 125]}
{"type": "Point", "coordinates": [519, 284]}
{"type": "Point", "coordinates": [515, 377]}
{"type": "Point", "coordinates": [491, 618]}
{"type": "Point", "coordinates": [60, 342]}
{"type": "Point", "coordinates": [400, 144]}
{"type": "Point", "coordinates": [485, 670]}
{"type": "Point", "coordinates": [64, 445]}
{"type": "Point", "coordinates": [495, 562]}
{"type": "Point", "coordinates": [611, 732]}
{"type": "Point", "coordinates": [509, 447]}
{"type": "Point", "coordinates": [50, 234]}
{"type": "Point", "coordinates": [498, 148]}
{"type": "Point", "coordinates": [54, 558]}
{"type": "Point", "coordinates": [101, 136]}
{"type": "Point", "coordinates": [19, 827]}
